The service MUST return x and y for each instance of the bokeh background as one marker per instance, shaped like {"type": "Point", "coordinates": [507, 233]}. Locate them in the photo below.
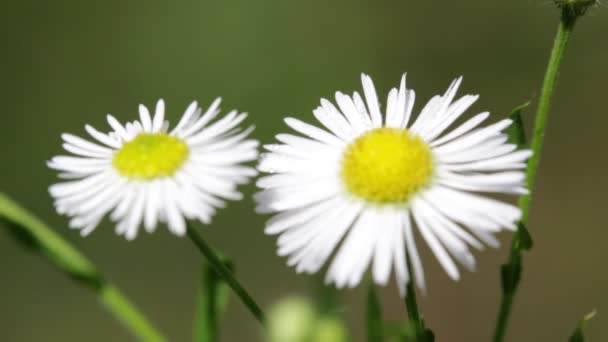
{"type": "Point", "coordinates": [67, 63]}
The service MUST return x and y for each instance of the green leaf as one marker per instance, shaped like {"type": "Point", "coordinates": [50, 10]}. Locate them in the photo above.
{"type": "Point", "coordinates": [408, 334]}
{"type": "Point", "coordinates": [374, 315]}
{"type": "Point", "coordinates": [427, 336]}
{"type": "Point", "coordinates": [510, 276]}
{"type": "Point", "coordinates": [516, 131]}
{"type": "Point", "coordinates": [511, 272]}
{"type": "Point", "coordinates": [578, 335]}
{"type": "Point", "coordinates": [41, 239]}
{"type": "Point", "coordinates": [211, 305]}
{"type": "Point", "coordinates": [524, 239]}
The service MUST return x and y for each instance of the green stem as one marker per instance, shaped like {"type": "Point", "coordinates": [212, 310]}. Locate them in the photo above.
{"type": "Point", "coordinates": [373, 315]}
{"type": "Point", "coordinates": [41, 239]}
{"type": "Point", "coordinates": [503, 316]}
{"type": "Point", "coordinates": [327, 297]}
{"type": "Point", "coordinates": [564, 30]}
{"type": "Point", "coordinates": [123, 310]}
{"type": "Point", "coordinates": [212, 300]}
{"type": "Point", "coordinates": [220, 268]}
{"type": "Point", "coordinates": [411, 305]}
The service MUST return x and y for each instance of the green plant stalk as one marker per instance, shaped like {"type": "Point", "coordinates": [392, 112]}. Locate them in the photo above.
{"type": "Point", "coordinates": [36, 235]}
{"type": "Point", "coordinates": [220, 268]}
{"type": "Point", "coordinates": [373, 315]}
{"type": "Point", "coordinates": [411, 305]}
{"type": "Point", "coordinates": [564, 30]}
{"type": "Point", "coordinates": [212, 300]}
{"type": "Point", "coordinates": [116, 303]}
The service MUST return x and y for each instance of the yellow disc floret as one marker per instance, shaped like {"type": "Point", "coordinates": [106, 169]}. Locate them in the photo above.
{"type": "Point", "coordinates": [150, 156]}
{"type": "Point", "coordinates": [387, 165]}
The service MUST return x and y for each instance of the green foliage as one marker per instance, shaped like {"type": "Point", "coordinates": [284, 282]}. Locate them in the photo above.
{"type": "Point", "coordinates": [410, 334]}
{"type": "Point", "coordinates": [36, 236]}
{"type": "Point", "coordinates": [39, 238]}
{"type": "Point", "coordinates": [516, 131]}
{"type": "Point", "coordinates": [511, 271]}
{"type": "Point", "coordinates": [296, 319]}
{"type": "Point", "coordinates": [578, 335]}
{"type": "Point", "coordinates": [523, 241]}
{"type": "Point", "coordinates": [576, 7]}
{"type": "Point", "coordinates": [212, 301]}
{"type": "Point", "coordinates": [374, 315]}
{"type": "Point", "coordinates": [224, 272]}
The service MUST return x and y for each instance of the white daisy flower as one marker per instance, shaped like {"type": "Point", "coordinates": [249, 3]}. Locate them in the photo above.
{"type": "Point", "coordinates": [371, 181]}
{"type": "Point", "coordinates": [144, 172]}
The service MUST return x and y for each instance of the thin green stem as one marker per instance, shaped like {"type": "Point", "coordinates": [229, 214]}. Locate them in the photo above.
{"type": "Point", "coordinates": [327, 297]}
{"type": "Point", "coordinates": [213, 297]}
{"type": "Point", "coordinates": [503, 316]}
{"type": "Point", "coordinates": [218, 266]}
{"type": "Point", "coordinates": [411, 305]}
{"type": "Point", "coordinates": [41, 239]}
{"type": "Point", "coordinates": [564, 30]}
{"type": "Point", "coordinates": [373, 315]}
{"type": "Point", "coordinates": [122, 309]}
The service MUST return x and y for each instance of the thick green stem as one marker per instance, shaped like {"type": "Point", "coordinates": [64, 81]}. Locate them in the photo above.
{"type": "Point", "coordinates": [513, 267]}
{"type": "Point", "coordinates": [220, 268]}
{"type": "Point", "coordinates": [41, 239]}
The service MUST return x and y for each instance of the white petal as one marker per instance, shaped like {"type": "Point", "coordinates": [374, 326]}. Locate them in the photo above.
{"type": "Point", "coordinates": [103, 138]}
{"type": "Point", "coordinates": [438, 250]}
{"type": "Point", "coordinates": [145, 118]}
{"type": "Point", "coordinates": [462, 129]}
{"type": "Point", "coordinates": [159, 116]}
{"type": "Point", "coordinates": [412, 252]}
{"type": "Point", "coordinates": [383, 251]}
{"type": "Point", "coordinates": [119, 130]}
{"type": "Point", "coordinates": [314, 132]}
{"type": "Point", "coordinates": [372, 100]}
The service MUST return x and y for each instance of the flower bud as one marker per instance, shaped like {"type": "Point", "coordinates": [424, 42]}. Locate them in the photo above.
{"type": "Point", "coordinates": [291, 320]}
{"type": "Point", "coordinates": [329, 329]}
{"type": "Point", "coordinates": [575, 7]}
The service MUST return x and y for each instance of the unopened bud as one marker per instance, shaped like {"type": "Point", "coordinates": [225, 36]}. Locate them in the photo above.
{"type": "Point", "coordinates": [291, 320]}
{"type": "Point", "coordinates": [575, 7]}
{"type": "Point", "coordinates": [330, 329]}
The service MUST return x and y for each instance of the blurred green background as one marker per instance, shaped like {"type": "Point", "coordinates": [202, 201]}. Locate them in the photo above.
{"type": "Point", "coordinates": [67, 63]}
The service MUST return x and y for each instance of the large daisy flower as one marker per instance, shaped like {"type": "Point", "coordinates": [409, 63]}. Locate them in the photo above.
{"type": "Point", "coordinates": [365, 183]}
{"type": "Point", "coordinates": [143, 172]}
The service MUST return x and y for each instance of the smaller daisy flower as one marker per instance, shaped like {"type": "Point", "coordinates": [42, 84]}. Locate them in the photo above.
{"type": "Point", "coordinates": [366, 183]}
{"type": "Point", "coordinates": [143, 172]}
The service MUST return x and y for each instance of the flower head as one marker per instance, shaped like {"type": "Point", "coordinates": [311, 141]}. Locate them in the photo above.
{"type": "Point", "coordinates": [366, 182]}
{"type": "Point", "coordinates": [143, 172]}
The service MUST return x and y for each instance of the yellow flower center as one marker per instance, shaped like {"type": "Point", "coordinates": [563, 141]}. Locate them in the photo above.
{"type": "Point", "coordinates": [387, 165]}
{"type": "Point", "coordinates": [150, 156]}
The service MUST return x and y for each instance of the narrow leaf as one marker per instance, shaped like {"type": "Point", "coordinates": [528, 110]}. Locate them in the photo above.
{"type": "Point", "coordinates": [374, 315]}
{"type": "Point", "coordinates": [524, 239]}
{"type": "Point", "coordinates": [578, 335]}
{"type": "Point", "coordinates": [516, 131]}
{"type": "Point", "coordinates": [409, 332]}
{"type": "Point", "coordinates": [427, 336]}
{"type": "Point", "coordinates": [211, 304]}
{"type": "Point", "coordinates": [510, 275]}
{"type": "Point", "coordinates": [38, 237]}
